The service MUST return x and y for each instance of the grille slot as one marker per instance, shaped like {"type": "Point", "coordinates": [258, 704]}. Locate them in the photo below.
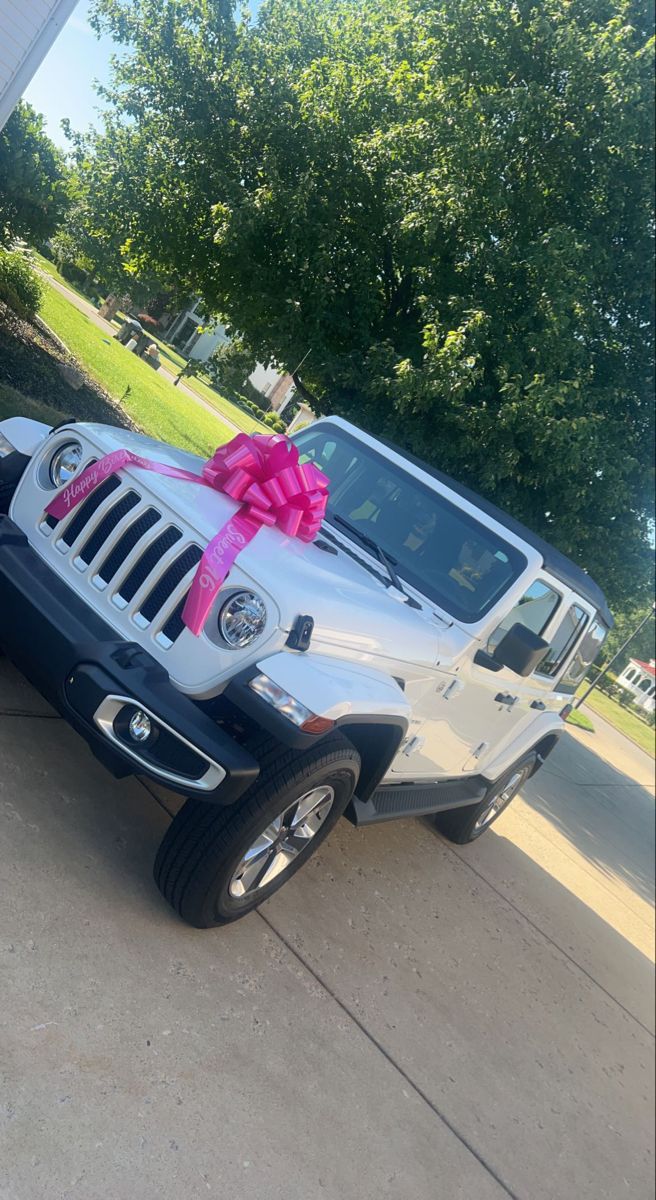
{"type": "Point", "coordinates": [127, 543]}
{"type": "Point", "coordinates": [169, 581]}
{"type": "Point", "coordinates": [147, 563]}
{"type": "Point", "coordinates": [87, 508]}
{"type": "Point", "coordinates": [139, 553]}
{"type": "Point", "coordinates": [174, 626]}
{"type": "Point", "coordinates": [106, 527]}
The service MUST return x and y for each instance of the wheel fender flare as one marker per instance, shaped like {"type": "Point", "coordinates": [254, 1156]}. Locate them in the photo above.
{"type": "Point", "coordinates": [542, 739]}
{"type": "Point", "coordinates": [24, 434]}
{"type": "Point", "coordinates": [342, 692]}
{"type": "Point", "coordinates": [367, 705]}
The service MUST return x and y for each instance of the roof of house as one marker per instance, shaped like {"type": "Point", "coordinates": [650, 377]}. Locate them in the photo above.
{"type": "Point", "coordinates": [648, 668]}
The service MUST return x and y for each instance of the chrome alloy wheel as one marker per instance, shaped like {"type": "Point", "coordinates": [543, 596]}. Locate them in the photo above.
{"type": "Point", "coordinates": [499, 800]}
{"type": "Point", "coordinates": [281, 842]}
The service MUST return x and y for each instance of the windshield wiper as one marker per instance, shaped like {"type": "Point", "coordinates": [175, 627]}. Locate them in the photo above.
{"type": "Point", "coordinates": [383, 557]}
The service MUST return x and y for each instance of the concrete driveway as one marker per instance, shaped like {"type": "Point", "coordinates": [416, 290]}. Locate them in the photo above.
{"type": "Point", "coordinates": [406, 1020]}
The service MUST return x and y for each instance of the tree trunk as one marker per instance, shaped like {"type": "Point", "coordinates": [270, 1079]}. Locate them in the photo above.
{"type": "Point", "coordinates": [304, 392]}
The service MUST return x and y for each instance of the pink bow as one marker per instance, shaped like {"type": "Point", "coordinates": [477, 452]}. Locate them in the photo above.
{"type": "Point", "coordinates": [262, 474]}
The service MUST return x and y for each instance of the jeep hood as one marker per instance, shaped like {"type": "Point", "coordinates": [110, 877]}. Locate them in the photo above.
{"type": "Point", "coordinates": [352, 609]}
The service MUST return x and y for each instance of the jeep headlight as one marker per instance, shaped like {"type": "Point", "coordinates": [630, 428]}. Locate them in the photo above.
{"type": "Point", "coordinates": [242, 619]}
{"type": "Point", "coordinates": [64, 463]}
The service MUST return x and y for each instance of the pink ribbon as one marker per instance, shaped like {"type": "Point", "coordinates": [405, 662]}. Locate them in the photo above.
{"type": "Point", "coordinates": [262, 474]}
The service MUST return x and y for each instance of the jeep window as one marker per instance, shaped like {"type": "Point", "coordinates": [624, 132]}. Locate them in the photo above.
{"type": "Point", "coordinates": [563, 640]}
{"type": "Point", "coordinates": [444, 553]}
{"type": "Point", "coordinates": [535, 610]}
{"type": "Point", "coordinates": [585, 654]}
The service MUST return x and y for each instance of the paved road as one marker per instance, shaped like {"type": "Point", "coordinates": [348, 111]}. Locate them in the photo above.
{"type": "Point", "coordinates": [89, 310]}
{"type": "Point", "coordinates": [407, 1020]}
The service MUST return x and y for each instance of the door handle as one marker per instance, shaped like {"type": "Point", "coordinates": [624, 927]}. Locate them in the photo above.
{"type": "Point", "coordinates": [539, 705]}
{"type": "Point", "coordinates": [506, 698]}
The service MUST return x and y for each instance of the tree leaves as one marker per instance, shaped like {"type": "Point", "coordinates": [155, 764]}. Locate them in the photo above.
{"type": "Point", "coordinates": [449, 205]}
{"type": "Point", "coordinates": [33, 179]}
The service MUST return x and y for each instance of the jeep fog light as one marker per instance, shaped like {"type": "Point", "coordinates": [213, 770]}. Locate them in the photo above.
{"type": "Point", "coordinates": [140, 727]}
{"type": "Point", "coordinates": [64, 463]}
{"type": "Point", "coordinates": [288, 707]}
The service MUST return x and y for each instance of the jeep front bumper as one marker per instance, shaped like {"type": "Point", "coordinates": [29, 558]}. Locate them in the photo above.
{"type": "Point", "coordinates": [97, 681]}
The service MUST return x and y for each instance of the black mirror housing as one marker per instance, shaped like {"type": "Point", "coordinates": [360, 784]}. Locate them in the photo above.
{"type": "Point", "coordinates": [520, 650]}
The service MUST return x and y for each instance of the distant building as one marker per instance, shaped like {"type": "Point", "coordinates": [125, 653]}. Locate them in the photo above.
{"type": "Point", "coordinates": [639, 678]}
{"type": "Point", "coordinates": [197, 337]}
{"type": "Point", "coordinates": [303, 417]}
{"type": "Point", "coordinates": [280, 392]}
{"type": "Point", "coordinates": [27, 32]}
{"type": "Point", "coordinates": [193, 334]}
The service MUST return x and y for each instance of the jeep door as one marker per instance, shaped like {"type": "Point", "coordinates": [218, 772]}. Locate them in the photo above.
{"type": "Point", "coordinates": [461, 721]}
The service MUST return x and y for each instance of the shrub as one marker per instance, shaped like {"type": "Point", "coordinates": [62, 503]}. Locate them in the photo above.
{"type": "Point", "coordinates": [625, 697]}
{"type": "Point", "coordinates": [607, 684]}
{"type": "Point", "coordinates": [274, 422]}
{"type": "Point", "coordinates": [147, 321]}
{"type": "Point", "coordinates": [20, 288]}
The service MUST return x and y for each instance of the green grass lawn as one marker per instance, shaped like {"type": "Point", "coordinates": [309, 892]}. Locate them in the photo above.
{"type": "Point", "coordinates": [50, 269]}
{"type": "Point", "coordinates": [175, 362]}
{"type": "Point", "coordinates": [226, 408]}
{"type": "Point", "coordinates": [151, 401]}
{"type": "Point", "coordinates": [171, 360]}
{"type": "Point", "coordinates": [578, 718]}
{"type": "Point", "coordinates": [623, 720]}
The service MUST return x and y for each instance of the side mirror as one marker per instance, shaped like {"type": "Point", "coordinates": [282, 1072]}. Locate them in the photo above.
{"type": "Point", "coordinates": [520, 650]}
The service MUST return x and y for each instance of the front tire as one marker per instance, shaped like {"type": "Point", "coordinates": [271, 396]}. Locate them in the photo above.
{"type": "Point", "coordinates": [216, 864]}
{"type": "Point", "coordinates": [464, 825]}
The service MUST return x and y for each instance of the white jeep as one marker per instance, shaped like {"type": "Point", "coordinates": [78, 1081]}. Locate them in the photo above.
{"type": "Point", "coordinates": [417, 657]}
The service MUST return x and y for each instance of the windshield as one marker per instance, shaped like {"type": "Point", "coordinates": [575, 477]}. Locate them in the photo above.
{"type": "Point", "coordinates": [437, 548]}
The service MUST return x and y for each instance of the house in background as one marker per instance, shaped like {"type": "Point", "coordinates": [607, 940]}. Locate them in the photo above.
{"type": "Point", "coordinates": [183, 332]}
{"type": "Point", "coordinates": [639, 678]}
{"type": "Point", "coordinates": [197, 337]}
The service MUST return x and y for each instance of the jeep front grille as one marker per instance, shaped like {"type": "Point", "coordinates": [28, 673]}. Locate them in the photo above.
{"type": "Point", "coordinates": [133, 554]}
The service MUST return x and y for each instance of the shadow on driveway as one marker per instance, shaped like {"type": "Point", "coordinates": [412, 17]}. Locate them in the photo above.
{"type": "Point", "coordinates": [603, 812]}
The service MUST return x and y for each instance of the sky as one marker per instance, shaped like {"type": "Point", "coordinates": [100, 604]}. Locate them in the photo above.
{"type": "Point", "coordinates": [63, 84]}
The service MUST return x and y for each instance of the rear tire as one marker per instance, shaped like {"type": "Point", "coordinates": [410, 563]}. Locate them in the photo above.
{"type": "Point", "coordinates": [464, 825]}
{"type": "Point", "coordinates": [216, 864]}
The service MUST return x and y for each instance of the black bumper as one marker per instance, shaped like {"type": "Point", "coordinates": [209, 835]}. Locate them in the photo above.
{"type": "Point", "coordinates": [76, 661]}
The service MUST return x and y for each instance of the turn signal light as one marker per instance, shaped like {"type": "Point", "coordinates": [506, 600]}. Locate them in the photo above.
{"type": "Point", "coordinates": [317, 725]}
{"type": "Point", "coordinates": [288, 706]}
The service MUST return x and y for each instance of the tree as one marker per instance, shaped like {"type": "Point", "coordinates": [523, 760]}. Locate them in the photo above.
{"type": "Point", "coordinates": [449, 204]}
{"type": "Point", "coordinates": [148, 183]}
{"type": "Point", "coordinates": [33, 179]}
{"type": "Point", "coordinates": [229, 368]}
{"type": "Point", "coordinates": [642, 647]}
